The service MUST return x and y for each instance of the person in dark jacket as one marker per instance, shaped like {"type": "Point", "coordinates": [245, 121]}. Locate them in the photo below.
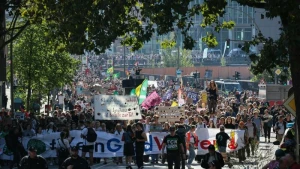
{"type": "Point", "coordinates": [75, 161]}
{"type": "Point", "coordinates": [33, 161]}
{"type": "Point", "coordinates": [211, 156]}
{"type": "Point", "coordinates": [13, 144]}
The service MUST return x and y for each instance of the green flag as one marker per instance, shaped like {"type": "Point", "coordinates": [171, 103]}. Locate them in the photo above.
{"type": "Point", "coordinates": [116, 92]}
{"type": "Point", "coordinates": [108, 78]}
{"type": "Point", "coordinates": [110, 70]}
{"type": "Point", "coordinates": [116, 75]}
{"type": "Point", "coordinates": [132, 92]}
{"type": "Point", "coordinates": [143, 92]}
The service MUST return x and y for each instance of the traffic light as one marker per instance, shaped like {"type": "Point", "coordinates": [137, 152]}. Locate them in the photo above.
{"type": "Point", "coordinates": [228, 43]}
{"type": "Point", "coordinates": [237, 75]}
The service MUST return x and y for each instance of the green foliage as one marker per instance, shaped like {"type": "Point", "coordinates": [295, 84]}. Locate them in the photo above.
{"type": "Point", "coordinates": [223, 61]}
{"type": "Point", "coordinates": [269, 77]}
{"type": "Point", "coordinates": [40, 66]}
{"type": "Point", "coordinates": [94, 25]}
{"type": "Point", "coordinates": [170, 55]}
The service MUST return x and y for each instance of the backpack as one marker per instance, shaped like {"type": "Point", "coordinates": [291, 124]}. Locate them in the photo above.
{"type": "Point", "coordinates": [91, 135]}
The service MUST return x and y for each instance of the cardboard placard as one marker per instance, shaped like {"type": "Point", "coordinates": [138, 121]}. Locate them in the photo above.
{"type": "Point", "coordinates": [169, 114]}
{"type": "Point", "coordinates": [115, 107]}
{"type": "Point", "coordinates": [19, 115]}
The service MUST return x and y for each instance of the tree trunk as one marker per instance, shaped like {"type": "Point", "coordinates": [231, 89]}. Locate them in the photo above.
{"type": "Point", "coordinates": [2, 51]}
{"type": "Point", "coordinates": [294, 52]}
{"type": "Point", "coordinates": [28, 94]}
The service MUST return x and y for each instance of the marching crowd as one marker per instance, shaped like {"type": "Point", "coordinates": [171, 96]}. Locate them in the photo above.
{"type": "Point", "coordinates": [243, 111]}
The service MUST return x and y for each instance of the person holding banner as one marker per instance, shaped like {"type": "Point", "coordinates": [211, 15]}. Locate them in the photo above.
{"type": "Point", "coordinates": [128, 151]}
{"type": "Point", "coordinates": [191, 144]}
{"type": "Point", "coordinates": [140, 139]}
{"type": "Point", "coordinates": [174, 146]}
{"type": "Point", "coordinates": [212, 90]}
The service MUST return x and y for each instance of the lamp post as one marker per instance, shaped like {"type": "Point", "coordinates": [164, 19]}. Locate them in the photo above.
{"type": "Point", "coordinates": [124, 59]}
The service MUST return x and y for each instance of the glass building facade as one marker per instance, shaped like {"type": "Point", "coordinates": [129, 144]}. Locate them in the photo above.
{"type": "Point", "coordinates": [244, 30]}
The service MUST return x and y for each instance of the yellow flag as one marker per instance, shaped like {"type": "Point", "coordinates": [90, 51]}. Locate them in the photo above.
{"type": "Point", "coordinates": [174, 104]}
{"type": "Point", "coordinates": [138, 90]}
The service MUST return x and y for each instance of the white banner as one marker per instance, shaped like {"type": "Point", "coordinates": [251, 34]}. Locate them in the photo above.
{"type": "Point", "coordinates": [110, 145]}
{"type": "Point", "coordinates": [114, 107]}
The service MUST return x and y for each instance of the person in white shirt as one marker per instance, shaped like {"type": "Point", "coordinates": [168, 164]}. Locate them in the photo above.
{"type": "Point", "coordinates": [88, 147]}
{"type": "Point", "coordinates": [63, 148]}
{"type": "Point", "coordinates": [119, 133]}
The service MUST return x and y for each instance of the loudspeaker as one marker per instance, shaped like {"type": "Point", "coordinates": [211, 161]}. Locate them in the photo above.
{"type": "Point", "coordinates": [131, 83]}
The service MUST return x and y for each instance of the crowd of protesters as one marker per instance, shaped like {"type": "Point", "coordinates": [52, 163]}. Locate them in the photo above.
{"type": "Point", "coordinates": [243, 111]}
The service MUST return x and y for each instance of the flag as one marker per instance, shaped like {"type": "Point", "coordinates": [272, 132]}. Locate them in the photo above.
{"type": "Point", "coordinates": [136, 63]}
{"type": "Point", "coordinates": [143, 91]}
{"type": "Point", "coordinates": [174, 104]}
{"type": "Point", "coordinates": [138, 90]}
{"type": "Point", "coordinates": [116, 75]}
{"type": "Point", "coordinates": [108, 78]}
{"type": "Point", "coordinates": [152, 100]}
{"type": "Point", "coordinates": [132, 92]}
{"type": "Point", "coordinates": [110, 70]}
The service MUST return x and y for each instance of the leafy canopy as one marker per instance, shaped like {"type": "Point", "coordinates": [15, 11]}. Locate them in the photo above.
{"type": "Point", "coordinates": [40, 66]}
{"type": "Point", "coordinates": [94, 25]}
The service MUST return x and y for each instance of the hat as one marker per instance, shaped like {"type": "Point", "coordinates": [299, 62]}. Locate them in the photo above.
{"type": "Point", "coordinates": [279, 153]}
{"type": "Point", "coordinates": [172, 128]}
{"type": "Point", "coordinates": [74, 148]}
{"type": "Point", "coordinates": [211, 147]}
{"type": "Point", "coordinates": [32, 149]}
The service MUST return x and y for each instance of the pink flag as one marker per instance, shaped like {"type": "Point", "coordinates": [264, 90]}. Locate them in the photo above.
{"type": "Point", "coordinates": [152, 100]}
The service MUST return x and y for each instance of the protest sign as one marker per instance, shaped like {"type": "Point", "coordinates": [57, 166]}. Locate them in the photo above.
{"type": "Point", "coordinates": [168, 95]}
{"type": "Point", "coordinates": [169, 114]}
{"type": "Point", "coordinates": [110, 145]}
{"type": "Point", "coordinates": [114, 107]}
{"type": "Point", "coordinates": [193, 96]}
{"type": "Point", "coordinates": [152, 100]}
{"type": "Point", "coordinates": [84, 60]}
{"type": "Point", "coordinates": [19, 115]}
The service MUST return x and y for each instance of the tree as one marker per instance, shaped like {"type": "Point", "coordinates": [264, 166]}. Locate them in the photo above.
{"type": "Point", "coordinates": [94, 25]}
{"type": "Point", "coordinates": [41, 66]}
{"type": "Point", "coordinates": [284, 52]}
{"type": "Point", "coordinates": [170, 56]}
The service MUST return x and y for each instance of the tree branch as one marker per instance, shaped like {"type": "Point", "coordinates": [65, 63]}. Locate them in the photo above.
{"type": "Point", "coordinates": [22, 28]}
{"type": "Point", "coordinates": [251, 4]}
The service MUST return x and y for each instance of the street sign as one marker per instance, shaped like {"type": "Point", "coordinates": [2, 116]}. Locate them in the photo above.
{"type": "Point", "coordinates": [278, 71]}
{"type": "Point", "coordinates": [290, 105]}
